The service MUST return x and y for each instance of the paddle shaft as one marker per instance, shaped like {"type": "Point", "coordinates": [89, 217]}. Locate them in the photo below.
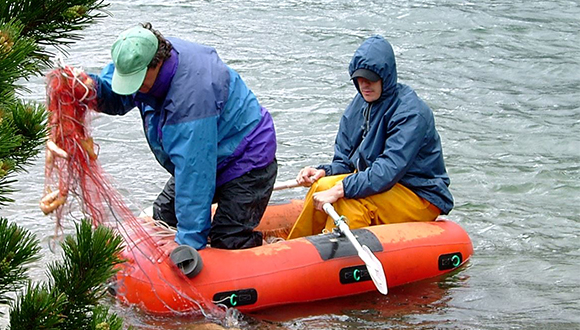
{"type": "Point", "coordinates": [374, 266]}
{"type": "Point", "coordinates": [342, 226]}
{"type": "Point", "coordinates": [286, 184]}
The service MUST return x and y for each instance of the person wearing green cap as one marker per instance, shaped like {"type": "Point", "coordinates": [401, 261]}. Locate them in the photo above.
{"type": "Point", "coordinates": [388, 162]}
{"type": "Point", "coordinates": [204, 126]}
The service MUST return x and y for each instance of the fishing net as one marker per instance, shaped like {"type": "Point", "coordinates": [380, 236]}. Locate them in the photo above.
{"type": "Point", "coordinates": [73, 173]}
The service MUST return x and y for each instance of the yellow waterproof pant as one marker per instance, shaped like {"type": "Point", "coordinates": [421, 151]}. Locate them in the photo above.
{"type": "Point", "coordinates": [398, 204]}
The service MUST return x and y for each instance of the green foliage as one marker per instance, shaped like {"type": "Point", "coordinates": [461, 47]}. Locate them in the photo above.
{"type": "Point", "coordinates": [5, 183]}
{"type": "Point", "coordinates": [38, 308]}
{"type": "Point", "coordinates": [19, 248]}
{"type": "Point", "coordinates": [77, 284]}
{"type": "Point", "coordinates": [17, 143]}
{"type": "Point", "coordinates": [28, 28]}
{"type": "Point", "coordinates": [22, 130]}
{"type": "Point", "coordinates": [55, 23]}
{"type": "Point", "coordinates": [88, 263]}
{"type": "Point", "coordinates": [102, 320]}
{"type": "Point", "coordinates": [16, 57]}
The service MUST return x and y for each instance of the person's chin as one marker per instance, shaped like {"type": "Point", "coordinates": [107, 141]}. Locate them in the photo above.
{"type": "Point", "coordinates": [368, 98]}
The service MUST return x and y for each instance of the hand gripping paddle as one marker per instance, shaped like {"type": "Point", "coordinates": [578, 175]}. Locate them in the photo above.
{"type": "Point", "coordinates": [373, 264]}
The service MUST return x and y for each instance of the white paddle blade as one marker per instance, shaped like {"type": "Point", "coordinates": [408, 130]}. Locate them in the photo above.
{"type": "Point", "coordinates": [375, 269]}
{"type": "Point", "coordinates": [374, 266]}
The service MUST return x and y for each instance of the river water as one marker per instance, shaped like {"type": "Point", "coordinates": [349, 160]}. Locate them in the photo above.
{"type": "Point", "coordinates": [503, 79]}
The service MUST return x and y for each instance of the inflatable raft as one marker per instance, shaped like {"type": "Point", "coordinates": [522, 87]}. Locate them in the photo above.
{"type": "Point", "coordinates": [295, 271]}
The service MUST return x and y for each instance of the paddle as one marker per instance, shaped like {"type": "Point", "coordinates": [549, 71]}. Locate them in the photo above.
{"type": "Point", "coordinates": [374, 266]}
{"type": "Point", "coordinates": [278, 186]}
{"type": "Point", "coordinates": [286, 184]}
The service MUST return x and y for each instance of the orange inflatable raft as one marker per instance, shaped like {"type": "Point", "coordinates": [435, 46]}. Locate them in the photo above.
{"type": "Point", "coordinates": [295, 271]}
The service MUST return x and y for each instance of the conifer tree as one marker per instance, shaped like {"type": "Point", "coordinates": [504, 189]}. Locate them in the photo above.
{"type": "Point", "coordinates": [30, 32]}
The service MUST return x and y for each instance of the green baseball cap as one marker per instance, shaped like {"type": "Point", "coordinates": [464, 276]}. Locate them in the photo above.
{"type": "Point", "coordinates": [132, 52]}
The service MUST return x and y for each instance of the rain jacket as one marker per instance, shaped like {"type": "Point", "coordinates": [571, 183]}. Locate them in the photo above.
{"type": "Point", "coordinates": [391, 140]}
{"type": "Point", "coordinates": [207, 129]}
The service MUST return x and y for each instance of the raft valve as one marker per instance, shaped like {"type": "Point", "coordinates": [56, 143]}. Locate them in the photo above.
{"type": "Point", "coordinates": [187, 259]}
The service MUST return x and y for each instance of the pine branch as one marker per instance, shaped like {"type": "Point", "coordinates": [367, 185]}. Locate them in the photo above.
{"type": "Point", "coordinates": [5, 189]}
{"type": "Point", "coordinates": [22, 130]}
{"type": "Point", "coordinates": [9, 139]}
{"type": "Point", "coordinates": [55, 23]}
{"type": "Point", "coordinates": [29, 122]}
{"type": "Point", "coordinates": [17, 55]}
{"type": "Point", "coordinates": [18, 248]}
{"type": "Point", "coordinates": [89, 260]}
{"type": "Point", "coordinates": [99, 318]}
{"type": "Point", "coordinates": [72, 301]}
{"type": "Point", "coordinates": [38, 308]}
{"type": "Point", "coordinates": [103, 320]}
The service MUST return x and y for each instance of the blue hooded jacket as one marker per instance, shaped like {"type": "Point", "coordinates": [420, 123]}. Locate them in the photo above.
{"type": "Point", "coordinates": [207, 130]}
{"type": "Point", "coordinates": [391, 140]}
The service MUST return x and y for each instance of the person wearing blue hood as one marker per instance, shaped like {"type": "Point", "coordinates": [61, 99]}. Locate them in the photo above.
{"type": "Point", "coordinates": [204, 126]}
{"type": "Point", "coordinates": [388, 164]}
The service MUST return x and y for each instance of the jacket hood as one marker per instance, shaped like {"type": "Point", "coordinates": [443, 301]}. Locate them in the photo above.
{"type": "Point", "coordinates": [376, 54]}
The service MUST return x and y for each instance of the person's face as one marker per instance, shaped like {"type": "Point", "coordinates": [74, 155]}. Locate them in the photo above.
{"type": "Point", "coordinates": [150, 79]}
{"type": "Point", "coordinates": [370, 90]}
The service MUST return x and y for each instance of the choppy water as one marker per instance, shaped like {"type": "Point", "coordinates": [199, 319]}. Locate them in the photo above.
{"type": "Point", "coordinates": [503, 78]}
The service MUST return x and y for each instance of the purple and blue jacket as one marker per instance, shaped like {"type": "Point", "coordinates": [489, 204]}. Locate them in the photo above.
{"type": "Point", "coordinates": [204, 125]}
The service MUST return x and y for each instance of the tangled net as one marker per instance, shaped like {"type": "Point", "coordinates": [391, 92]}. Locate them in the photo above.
{"type": "Point", "coordinates": [73, 171]}
{"type": "Point", "coordinates": [71, 159]}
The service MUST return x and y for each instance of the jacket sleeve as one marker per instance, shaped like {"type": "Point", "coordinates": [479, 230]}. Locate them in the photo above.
{"type": "Point", "coordinates": [192, 148]}
{"type": "Point", "coordinates": [405, 138]}
{"type": "Point", "coordinates": [108, 101]}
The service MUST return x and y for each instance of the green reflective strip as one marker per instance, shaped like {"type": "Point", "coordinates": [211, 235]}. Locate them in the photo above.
{"type": "Point", "coordinates": [455, 260]}
{"type": "Point", "coordinates": [233, 300]}
{"type": "Point", "coordinates": [356, 275]}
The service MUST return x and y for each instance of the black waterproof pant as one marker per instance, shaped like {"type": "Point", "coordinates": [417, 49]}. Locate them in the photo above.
{"type": "Point", "coordinates": [241, 203]}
